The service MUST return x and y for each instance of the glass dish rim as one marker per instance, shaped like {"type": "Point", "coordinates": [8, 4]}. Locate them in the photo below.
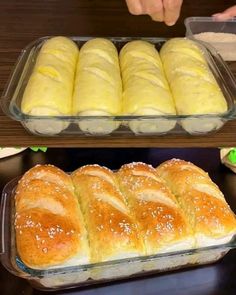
{"type": "Point", "coordinates": [8, 194]}
{"type": "Point", "coordinates": [207, 19]}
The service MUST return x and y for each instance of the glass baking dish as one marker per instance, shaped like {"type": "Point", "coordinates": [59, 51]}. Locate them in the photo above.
{"type": "Point", "coordinates": [199, 25]}
{"type": "Point", "coordinates": [116, 125]}
{"type": "Point", "coordinates": [84, 275]}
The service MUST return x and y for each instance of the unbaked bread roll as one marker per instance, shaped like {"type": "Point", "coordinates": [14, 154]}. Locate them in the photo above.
{"type": "Point", "coordinates": [98, 87]}
{"type": "Point", "coordinates": [160, 220]}
{"type": "Point", "coordinates": [193, 85]}
{"type": "Point", "coordinates": [145, 89]}
{"type": "Point", "coordinates": [49, 225]}
{"type": "Point", "coordinates": [111, 228]}
{"type": "Point", "coordinates": [50, 87]}
{"type": "Point", "coordinates": [205, 207]}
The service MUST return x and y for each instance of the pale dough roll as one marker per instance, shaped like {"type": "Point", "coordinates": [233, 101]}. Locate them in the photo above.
{"type": "Point", "coordinates": [185, 65]}
{"type": "Point", "coordinates": [145, 89]}
{"type": "Point", "coordinates": [50, 86]}
{"type": "Point", "coordinates": [193, 85]}
{"type": "Point", "coordinates": [182, 46]}
{"type": "Point", "coordinates": [204, 97]}
{"type": "Point", "coordinates": [98, 87]}
{"type": "Point", "coordinates": [145, 71]}
{"type": "Point", "coordinates": [139, 50]}
{"type": "Point", "coordinates": [148, 97]}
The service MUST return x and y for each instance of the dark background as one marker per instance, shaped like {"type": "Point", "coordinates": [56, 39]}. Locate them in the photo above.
{"type": "Point", "coordinates": [24, 19]}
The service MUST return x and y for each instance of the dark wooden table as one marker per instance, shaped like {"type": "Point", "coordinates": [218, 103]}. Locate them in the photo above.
{"type": "Point", "coordinates": [22, 21]}
{"type": "Point", "coordinates": [215, 279]}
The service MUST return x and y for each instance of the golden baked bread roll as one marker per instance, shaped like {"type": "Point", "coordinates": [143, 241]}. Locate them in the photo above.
{"type": "Point", "coordinates": [192, 83]}
{"type": "Point", "coordinates": [98, 87]}
{"type": "Point", "coordinates": [49, 225]}
{"type": "Point", "coordinates": [160, 220]}
{"type": "Point", "coordinates": [50, 87]}
{"type": "Point", "coordinates": [145, 89]}
{"type": "Point", "coordinates": [111, 228]}
{"type": "Point", "coordinates": [48, 173]}
{"type": "Point", "coordinates": [205, 207]}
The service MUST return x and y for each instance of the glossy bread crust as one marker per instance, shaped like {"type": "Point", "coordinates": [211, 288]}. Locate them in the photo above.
{"type": "Point", "coordinates": [160, 220]}
{"type": "Point", "coordinates": [49, 226]}
{"type": "Point", "coordinates": [111, 227]}
{"type": "Point", "coordinates": [204, 204]}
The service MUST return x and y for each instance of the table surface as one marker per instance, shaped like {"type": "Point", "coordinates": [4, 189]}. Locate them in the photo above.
{"type": "Point", "coordinates": [22, 21]}
{"type": "Point", "coordinates": [215, 279]}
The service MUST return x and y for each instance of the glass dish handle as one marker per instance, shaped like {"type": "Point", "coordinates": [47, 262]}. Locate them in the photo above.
{"type": "Point", "coordinates": [13, 81]}
{"type": "Point", "coordinates": [3, 216]}
{"type": "Point", "coordinates": [227, 75]}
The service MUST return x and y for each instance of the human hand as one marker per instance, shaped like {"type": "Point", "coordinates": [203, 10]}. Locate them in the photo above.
{"type": "Point", "coordinates": [167, 11]}
{"type": "Point", "coordinates": [228, 13]}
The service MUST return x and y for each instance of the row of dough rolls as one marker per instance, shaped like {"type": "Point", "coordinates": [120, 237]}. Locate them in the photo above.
{"type": "Point", "coordinates": [97, 215]}
{"type": "Point", "coordinates": [89, 83]}
{"type": "Point", "coordinates": [68, 82]}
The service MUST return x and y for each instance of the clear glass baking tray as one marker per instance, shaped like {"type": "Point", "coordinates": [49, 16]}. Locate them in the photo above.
{"type": "Point", "coordinates": [84, 275]}
{"type": "Point", "coordinates": [116, 125]}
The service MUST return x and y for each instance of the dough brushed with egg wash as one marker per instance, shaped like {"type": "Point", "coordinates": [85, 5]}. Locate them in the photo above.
{"type": "Point", "coordinates": [49, 225]}
{"type": "Point", "coordinates": [145, 88]}
{"type": "Point", "coordinates": [192, 83]}
{"type": "Point", "coordinates": [112, 231]}
{"type": "Point", "coordinates": [160, 220]}
{"type": "Point", "coordinates": [50, 87]}
{"type": "Point", "coordinates": [204, 205]}
{"type": "Point", "coordinates": [98, 86]}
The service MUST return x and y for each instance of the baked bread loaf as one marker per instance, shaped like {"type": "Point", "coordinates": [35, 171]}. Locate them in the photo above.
{"type": "Point", "coordinates": [50, 87]}
{"type": "Point", "coordinates": [205, 207]}
{"type": "Point", "coordinates": [134, 212]}
{"type": "Point", "coordinates": [192, 83]}
{"type": "Point", "coordinates": [49, 225]}
{"type": "Point", "coordinates": [98, 87]}
{"type": "Point", "coordinates": [160, 220]}
{"type": "Point", "coordinates": [145, 89]}
{"type": "Point", "coordinates": [111, 228]}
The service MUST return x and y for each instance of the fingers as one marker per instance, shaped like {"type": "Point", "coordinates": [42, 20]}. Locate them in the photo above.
{"type": "Point", "coordinates": [154, 8]}
{"type": "Point", "coordinates": [159, 10]}
{"type": "Point", "coordinates": [135, 7]}
{"type": "Point", "coordinates": [228, 13]}
{"type": "Point", "coordinates": [171, 11]}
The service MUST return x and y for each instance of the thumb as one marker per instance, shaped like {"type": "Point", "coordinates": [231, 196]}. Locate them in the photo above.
{"type": "Point", "coordinates": [228, 13]}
